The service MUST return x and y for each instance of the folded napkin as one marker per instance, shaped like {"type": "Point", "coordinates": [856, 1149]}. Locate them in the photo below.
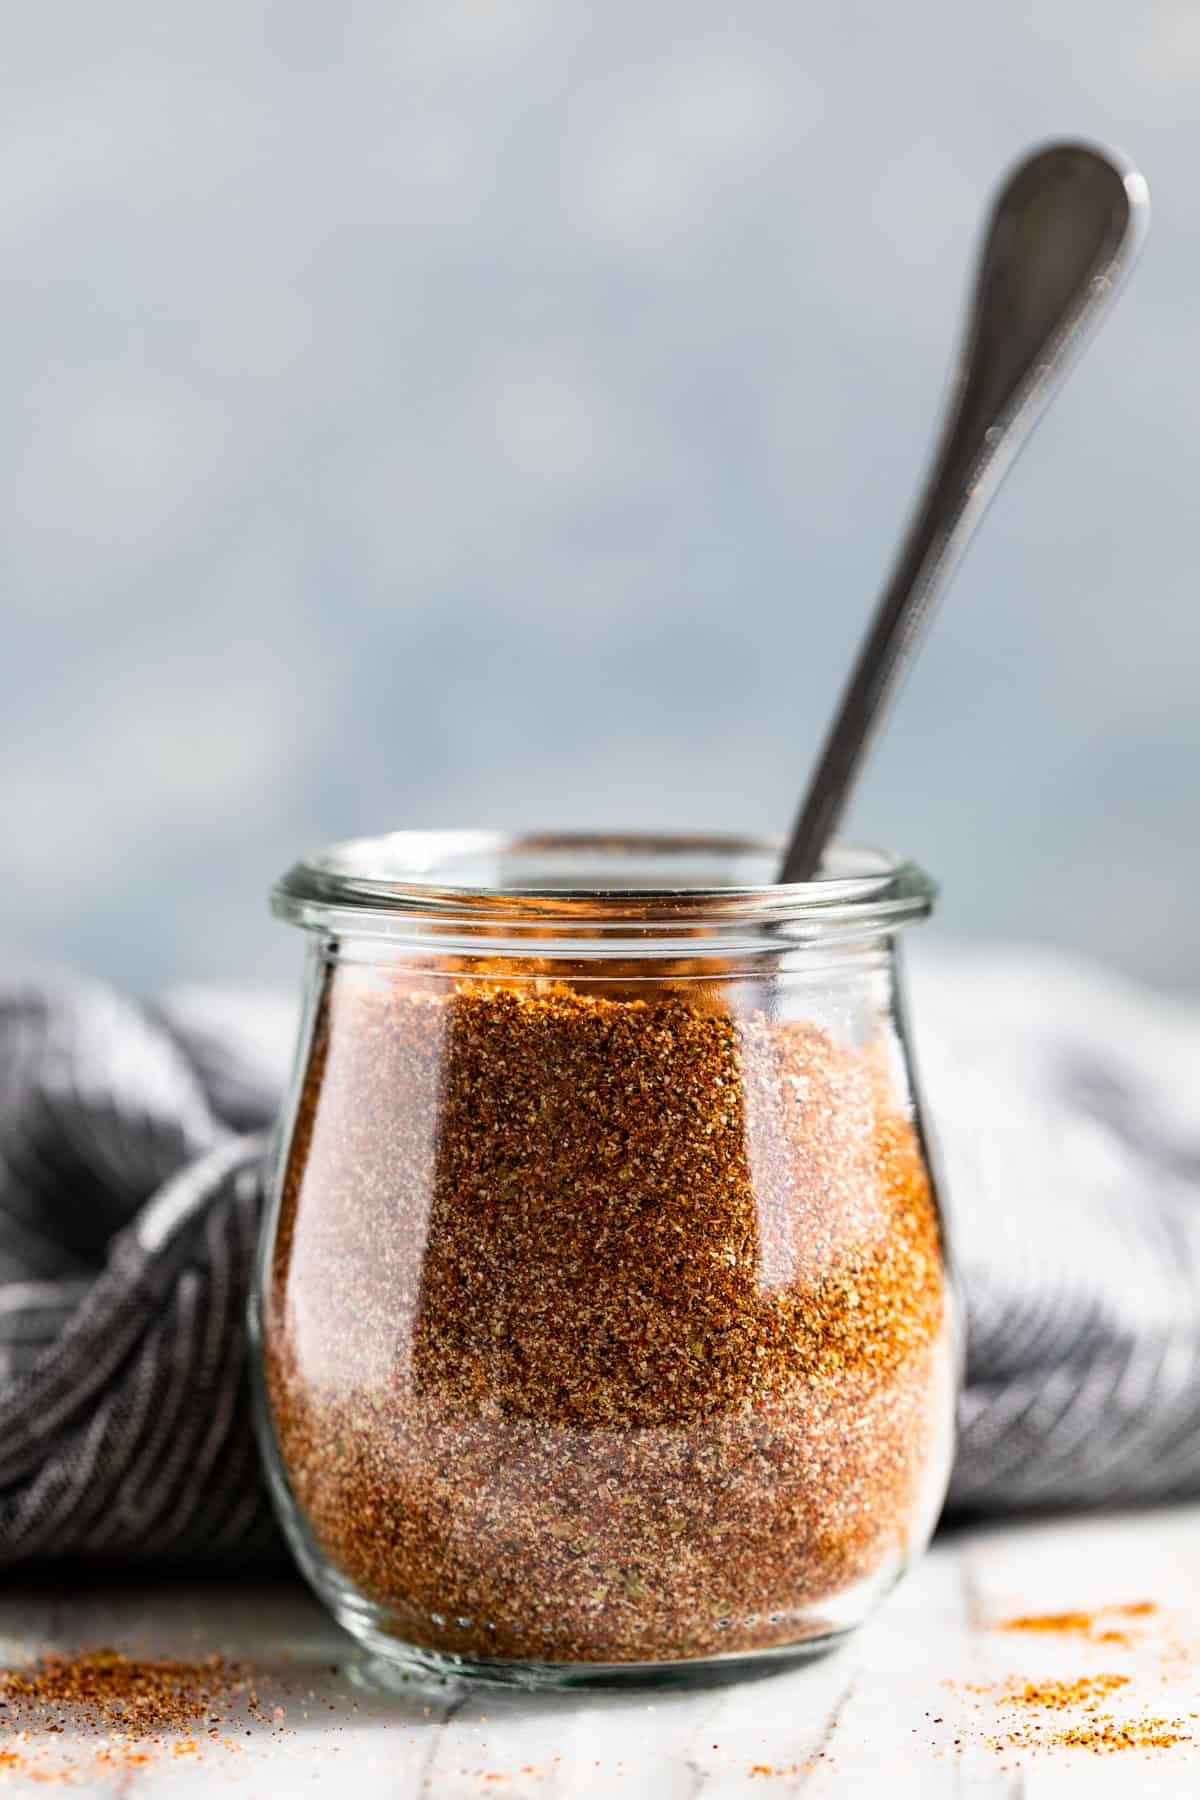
{"type": "Point", "coordinates": [132, 1144]}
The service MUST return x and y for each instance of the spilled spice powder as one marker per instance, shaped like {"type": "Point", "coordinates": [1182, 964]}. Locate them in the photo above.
{"type": "Point", "coordinates": [136, 1706]}
{"type": "Point", "coordinates": [1080, 1691]}
{"type": "Point", "coordinates": [602, 1325]}
{"type": "Point", "coordinates": [1103, 1734]}
{"type": "Point", "coordinates": [1082, 1624]}
{"type": "Point", "coordinates": [1031, 1703]}
{"type": "Point", "coordinates": [1077, 1692]}
{"type": "Point", "coordinates": [1125, 1734]}
{"type": "Point", "coordinates": [106, 1689]}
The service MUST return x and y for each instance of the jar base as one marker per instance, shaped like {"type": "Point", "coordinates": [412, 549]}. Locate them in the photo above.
{"type": "Point", "coordinates": [395, 1665]}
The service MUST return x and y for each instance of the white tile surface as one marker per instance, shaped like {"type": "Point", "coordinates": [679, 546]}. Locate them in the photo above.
{"type": "Point", "coordinates": [862, 1722]}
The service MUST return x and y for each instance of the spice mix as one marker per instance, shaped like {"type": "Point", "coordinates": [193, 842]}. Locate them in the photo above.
{"type": "Point", "coordinates": [604, 1322]}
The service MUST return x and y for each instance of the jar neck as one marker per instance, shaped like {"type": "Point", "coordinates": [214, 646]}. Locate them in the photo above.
{"type": "Point", "coordinates": [594, 898]}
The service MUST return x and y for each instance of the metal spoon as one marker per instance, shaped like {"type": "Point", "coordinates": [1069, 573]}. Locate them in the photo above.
{"type": "Point", "coordinates": [1063, 233]}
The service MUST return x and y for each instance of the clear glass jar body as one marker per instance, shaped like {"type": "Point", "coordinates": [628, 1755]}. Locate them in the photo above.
{"type": "Point", "coordinates": [603, 1317]}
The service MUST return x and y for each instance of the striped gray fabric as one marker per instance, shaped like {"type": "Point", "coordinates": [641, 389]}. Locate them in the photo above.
{"type": "Point", "coordinates": [130, 1195]}
{"type": "Point", "coordinates": [131, 1154]}
{"type": "Point", "coordinates": [1067, 1109]}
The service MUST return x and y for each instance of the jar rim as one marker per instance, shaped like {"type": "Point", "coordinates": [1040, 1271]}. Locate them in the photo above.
{"type": "Point", "coordinates": [606, 878]}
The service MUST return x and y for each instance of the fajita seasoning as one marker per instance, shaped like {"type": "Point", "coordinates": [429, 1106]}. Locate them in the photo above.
{"type": "Point", "coordinates": [601, 1329]}
{"type": "Point", "coordinates": [602, 1325]}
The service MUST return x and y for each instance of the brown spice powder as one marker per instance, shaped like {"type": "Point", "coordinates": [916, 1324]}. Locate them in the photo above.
{"type": "Point", "coordinates": [1080, 1691]}
{"type": "Point", "coordinates": [1075, 1692]}
{"type": "Point", "coordinates": [106, 1690]}
{"type": "Point", "coordinates": [1103, 1734]}
{"type": "Point", "coordinates": [1125, 1734]}
{"type": "Point", "coordinates": [602, 1328]}
{"type": "Point", "coordinates": [1029, 1703]}
{"type": "Point", "coordinates": [1081, 1623]}
{"type": "Point", "coordinates": [1091, 1625]}
{"type": "Point", "coordinates": [135, 1708]}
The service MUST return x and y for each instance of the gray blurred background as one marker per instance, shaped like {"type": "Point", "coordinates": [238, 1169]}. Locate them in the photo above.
{"type": "Point", "coordinates": [503, 412]}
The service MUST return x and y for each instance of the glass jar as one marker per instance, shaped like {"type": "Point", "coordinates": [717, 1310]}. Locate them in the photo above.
{"type": "Point", "coordinates": [603, 1318]}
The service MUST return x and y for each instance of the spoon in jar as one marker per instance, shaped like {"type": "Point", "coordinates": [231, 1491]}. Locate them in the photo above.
{"type": "Point", "coordinates": [1063, 233]}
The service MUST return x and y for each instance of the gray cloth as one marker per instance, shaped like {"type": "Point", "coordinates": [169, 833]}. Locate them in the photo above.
{"type": "Point", "coordinates": [130, 1195]}
{"type": "Point", "coordinates": [1066, 1105]}
{"type": "Point", "coordinates": [132, 1149]}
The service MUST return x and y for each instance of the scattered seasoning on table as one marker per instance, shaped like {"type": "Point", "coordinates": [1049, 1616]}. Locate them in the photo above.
{"type": "Point", "coordinates": [1057, 1696]}
{"type": "Point", "coordinates": [1091, 1625]}
{"type": "Point", "coordinates": [1107, 1735]}
{"type": "Point", "coordinates": [808, 1767]}
{"type": "Point", "coordinates": [602, 1328]}
{"type": "Point", "coordinates": [1073, 1693]}
{"type": "Point", "coordinates": [1102, 1733]}
{"type": "Point", "coordinates": [123, 1710]}
{"type": "Point", "coordinates": [1031, 1709]}
{"type": "Point", "coordinates": [105, 1689]}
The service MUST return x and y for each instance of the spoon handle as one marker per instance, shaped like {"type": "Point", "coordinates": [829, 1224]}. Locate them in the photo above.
{"type": "Point", "coordinates": [1063, 233]}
